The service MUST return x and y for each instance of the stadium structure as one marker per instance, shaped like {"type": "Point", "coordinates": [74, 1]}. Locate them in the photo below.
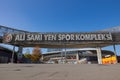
{"type": "Point", "coordinates": [77, 56]}
{"type": "Point", "coordinates": [97, 39]}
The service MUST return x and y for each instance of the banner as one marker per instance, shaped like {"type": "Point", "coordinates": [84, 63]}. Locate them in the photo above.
{"type": "Point", "coordinates": [56, 37]}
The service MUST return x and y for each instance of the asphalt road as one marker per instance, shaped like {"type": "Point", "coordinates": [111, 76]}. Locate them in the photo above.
{"type": "Point", "coordinates": [59, 72]}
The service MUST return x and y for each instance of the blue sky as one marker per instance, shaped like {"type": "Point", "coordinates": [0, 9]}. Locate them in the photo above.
{"type": "Point", "coordinates": [60, 15]}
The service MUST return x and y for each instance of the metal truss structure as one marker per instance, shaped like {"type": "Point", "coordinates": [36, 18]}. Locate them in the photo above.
{"type": "Point", "coordinates": [4, 29]}
{"type": "Point", "coordinates": [114, 31]}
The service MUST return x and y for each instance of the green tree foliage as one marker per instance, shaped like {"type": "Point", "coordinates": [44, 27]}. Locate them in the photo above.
{"type": "Point", "coordinates": [46, 59]}
{"type": "Point", "coordinates": [36, 54]}
{"type": "Point", "coordinates": [27, 54]}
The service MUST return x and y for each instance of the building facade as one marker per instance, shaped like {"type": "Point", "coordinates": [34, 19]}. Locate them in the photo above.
{"type": "Point", "coordinates": [6, 55]}
{"type": "Point", "coordinates": [76, 56]}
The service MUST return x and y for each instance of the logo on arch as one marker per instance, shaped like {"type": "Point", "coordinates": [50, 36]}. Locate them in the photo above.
{"type": "Point", "coordinates": [8, 38]}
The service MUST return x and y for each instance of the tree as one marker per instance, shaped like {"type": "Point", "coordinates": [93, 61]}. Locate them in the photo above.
{"type": "Point", "coordinates": [26, 57]}
{"type": "Point", "coordinates": [36, 54]}
{"type": "Point", "coordinates": [46, 59]}
{"type": "Point", "coordinates": [27, 54]}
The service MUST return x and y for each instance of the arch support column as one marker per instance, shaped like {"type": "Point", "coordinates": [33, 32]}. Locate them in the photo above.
{"type": "Point", "coordinates": [20, 49]}
{"type": "Point", "coordinates": [13, 53]}
{"type": "Point", "coordinates": [115, 53]}
{"type": "Point", "coordinates": [99, 55]}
